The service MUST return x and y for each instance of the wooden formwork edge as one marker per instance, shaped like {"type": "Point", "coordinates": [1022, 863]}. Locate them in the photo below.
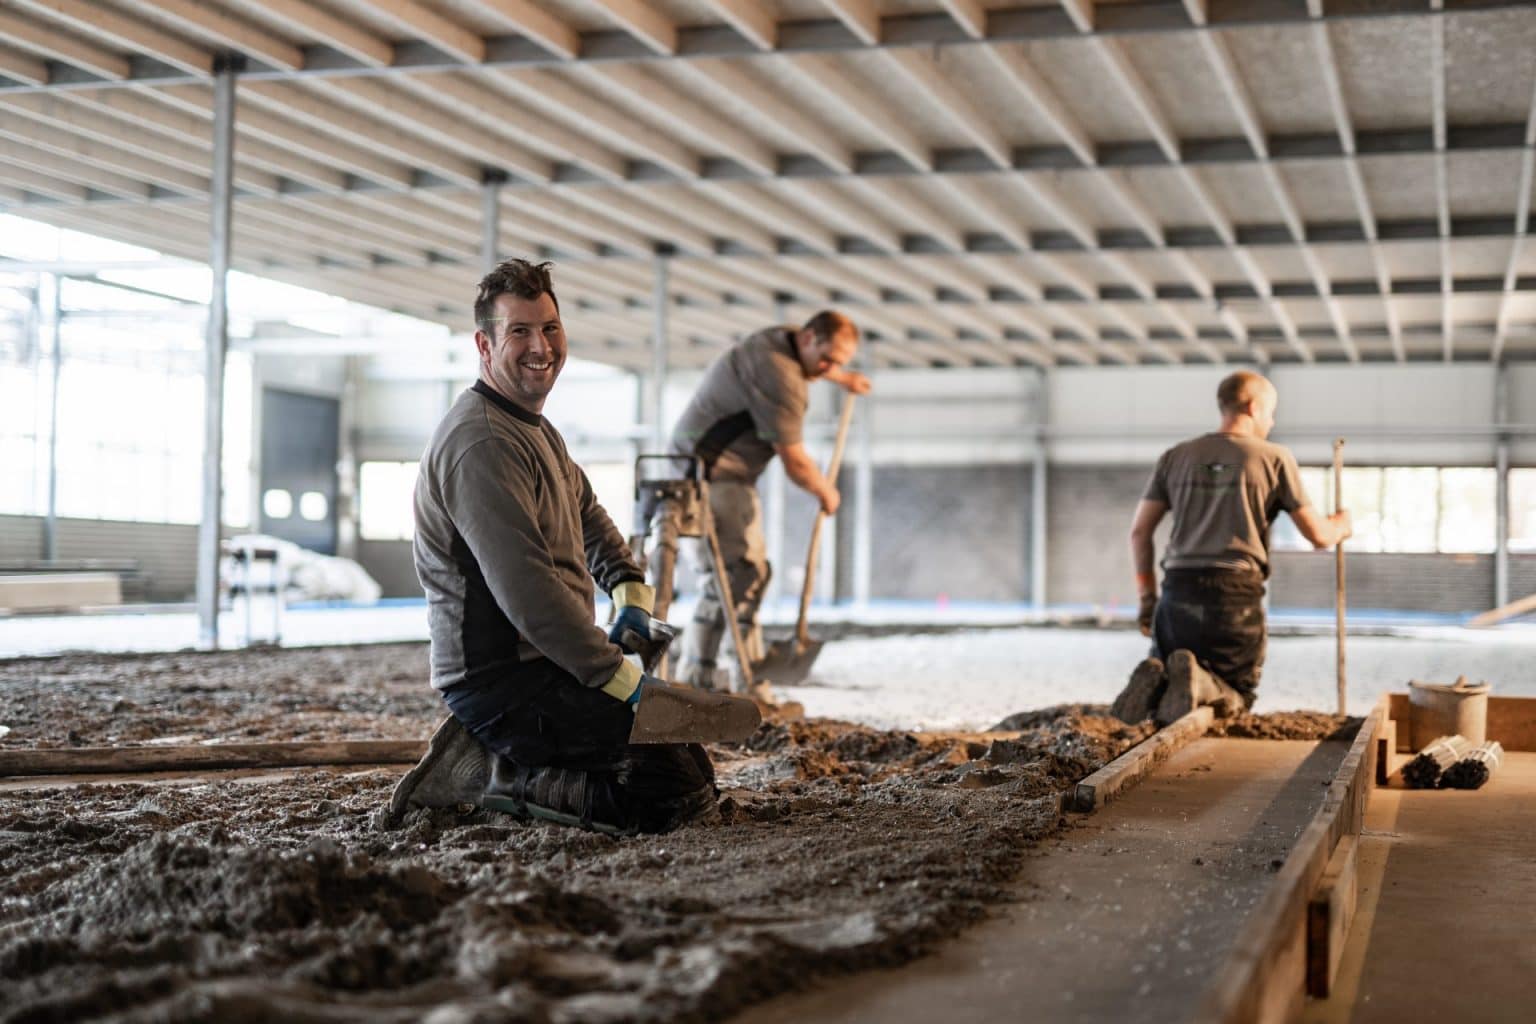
{"type": "Point", "coordinates": [1135, 764]}
{"type": "Point", "coordinates": [125, 760]}
{"type": "Point", "coordinates": [1264, 976]}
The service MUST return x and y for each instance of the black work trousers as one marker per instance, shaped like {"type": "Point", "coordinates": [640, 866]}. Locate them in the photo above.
{"type": "Point", "coordinates": [1218, 615]}
{"type": "Point", "coordinates": [546, 719]}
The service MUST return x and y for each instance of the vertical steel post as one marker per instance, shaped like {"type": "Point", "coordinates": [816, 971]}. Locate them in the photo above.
{"type": "Point", "coordinates": [774, 489]}
{"type": "Point", "coordinates": [220, 210]}
{"type": "Point", "coordinates": [1039, 471]}
{"type": "Point", "coordinates": [659, 351]}
{"type": "Point", "coordinates": [1338, 570]}
{"type": "Point", "coordinates": [48, 305]}
{"type": "Point", "coordinates": [1501, 491]}
{"type": "Point", "coordinates": [490, 219]}
{"type": "Point", "coordinates": [864, 508]}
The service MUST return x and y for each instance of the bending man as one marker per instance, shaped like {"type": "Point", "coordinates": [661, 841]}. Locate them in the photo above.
{"type": "Point", "coordinates": [750, 407]}
{"type": "Point", "coordinates": [1224, 490]}
{"type": "Point", "coordinates": [509, 543]}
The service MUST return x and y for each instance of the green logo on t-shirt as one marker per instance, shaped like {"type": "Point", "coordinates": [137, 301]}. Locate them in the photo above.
{"type": "Point", "coordinates": [1218, 476]}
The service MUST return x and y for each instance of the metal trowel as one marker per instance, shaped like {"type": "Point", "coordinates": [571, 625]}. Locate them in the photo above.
{"type": "Point", "coordinates": [789, 661]}
{"type": "Point", "coordinates": [669, 713]}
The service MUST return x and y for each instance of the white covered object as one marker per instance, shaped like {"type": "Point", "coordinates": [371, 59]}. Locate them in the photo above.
{"type": "Point", "coordinates": [304, 575]}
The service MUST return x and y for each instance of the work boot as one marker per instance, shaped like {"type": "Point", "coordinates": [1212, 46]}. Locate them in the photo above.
{"type": "Point", "coordinates": [453, 771]}
{"type": "Point", "coordinates": [1141, 695]}
{"type": "Point", "coordinates": [1190, 686]}
{"type": "Point", "coordinates": [567, 796]}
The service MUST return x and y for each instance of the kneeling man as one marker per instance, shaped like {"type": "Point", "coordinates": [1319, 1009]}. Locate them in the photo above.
{"type": "Point", "coordinates": [510, 541]}
{"type": "Point", "coordinates": [1224, 490]}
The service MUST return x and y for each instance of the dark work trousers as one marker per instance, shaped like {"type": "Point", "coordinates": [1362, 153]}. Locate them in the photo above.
{"type": "Point", "coordinates": [1218, 615]}
{"type": "Point", "coordinates": [545, 718]}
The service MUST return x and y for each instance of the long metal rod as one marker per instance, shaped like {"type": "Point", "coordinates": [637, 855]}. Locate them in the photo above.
{"type": "Point", "coordinates": [216, 344]}
{"type": "Point", "coordinates": [51, 314]}
{"type": "Point", "coordinates": [1338, 570]}
{"type": "Point", "coordinates": [659, 305]}
{"type": "Point", "coordinates": [727, 596]}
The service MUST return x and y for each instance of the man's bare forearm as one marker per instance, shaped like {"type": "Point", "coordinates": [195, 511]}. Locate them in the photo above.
{"type": "Point", "coordinates": [1144, 558]}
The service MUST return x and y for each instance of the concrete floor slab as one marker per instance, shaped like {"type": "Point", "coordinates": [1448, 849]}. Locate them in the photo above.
{"type": "Point", "coordinates": [1120, 918]}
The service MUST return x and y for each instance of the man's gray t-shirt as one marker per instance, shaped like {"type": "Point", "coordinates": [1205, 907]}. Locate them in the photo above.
{"type": "Point", "coordinates": [751, 398]}
{"type": "Point", "coordinates": [1224, 491]}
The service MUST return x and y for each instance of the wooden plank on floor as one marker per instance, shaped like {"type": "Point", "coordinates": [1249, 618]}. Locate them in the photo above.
{"type": "Point", "coordinates": [1135, 764]}
{"type": "Point", "coordinates": [59, 590]}
{"type": "Point", "coordinates": [1386, 748]}
{"type": "Point", "coordinates": [105, 760]}
{"type": "Point", "coordinates": [1400, 710]}
{"type": "Point", "coordinates": [1329, 914]}
{"type": "Point", "coordinates": [1264, 978]}
{"type": "Point", "coordinates": [1512, 721]}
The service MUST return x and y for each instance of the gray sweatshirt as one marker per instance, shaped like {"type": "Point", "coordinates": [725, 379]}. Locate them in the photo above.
{"type": "Point", "coordinates": [509, 540]}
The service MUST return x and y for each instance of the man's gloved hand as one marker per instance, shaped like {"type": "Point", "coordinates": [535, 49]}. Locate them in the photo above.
{"type": "Point", "coordinates": [627, 682]}
{"type": "Point", "coordinates": [1144, 613]}
{"type": "Point", "coordinates": [634, 630]}
{"type": "Point", "coordinates": [634, 698]}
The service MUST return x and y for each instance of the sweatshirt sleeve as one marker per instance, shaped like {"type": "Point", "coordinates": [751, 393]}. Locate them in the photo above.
{"type": "Point", "coordinates": [608, 556]}
{"type": "Point", "coordinates": [492, 497]}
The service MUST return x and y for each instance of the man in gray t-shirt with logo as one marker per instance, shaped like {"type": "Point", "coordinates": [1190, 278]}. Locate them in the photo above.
{"type": "Point", "coordinates": [1224, 490]}
{"type": "Point", "coordinates": [750, 407]}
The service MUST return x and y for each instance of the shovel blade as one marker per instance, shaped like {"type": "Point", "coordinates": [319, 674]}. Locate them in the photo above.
{"type": "Point", "coordinates": [786, 662]}
{"type": "Point", "coordinates": [669, 713]}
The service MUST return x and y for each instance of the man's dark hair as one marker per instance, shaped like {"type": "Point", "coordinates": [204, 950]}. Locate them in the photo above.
{"type": "Point", "coordinates": [511, 277]}
{"type": "Point", "coordinates": [1236, 390]}
{"type": "Point", "coordinates": [827, 324]}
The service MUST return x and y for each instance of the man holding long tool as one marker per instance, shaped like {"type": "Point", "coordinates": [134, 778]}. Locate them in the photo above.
{"type": "Point", "coordinates": [1224, 490]}
{"type": "Point", "coordinates": [750, 407]}
{"type": "Point", "coordinates": [509, 543]}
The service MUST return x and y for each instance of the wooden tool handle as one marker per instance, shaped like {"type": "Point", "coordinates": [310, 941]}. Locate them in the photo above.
{"type": "Point", "coordinates": [1338, 569]}
{"type": "Point", "coordinates": [802, 632]}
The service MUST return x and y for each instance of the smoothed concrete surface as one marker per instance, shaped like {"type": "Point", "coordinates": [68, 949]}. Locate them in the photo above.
{"type": "Point", "coordinates": [1122, 917]}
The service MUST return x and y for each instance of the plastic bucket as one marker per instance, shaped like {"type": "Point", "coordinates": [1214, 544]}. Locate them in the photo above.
{"type": "Point", "coordinates": [1460, 709]}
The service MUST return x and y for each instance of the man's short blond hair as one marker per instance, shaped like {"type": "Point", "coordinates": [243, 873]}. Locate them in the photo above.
{"type": "Point", "coordinates": [1236, 390]}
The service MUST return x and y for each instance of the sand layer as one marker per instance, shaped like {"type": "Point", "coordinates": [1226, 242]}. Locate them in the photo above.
{"type": "Point", "coordinates": [216, 898]}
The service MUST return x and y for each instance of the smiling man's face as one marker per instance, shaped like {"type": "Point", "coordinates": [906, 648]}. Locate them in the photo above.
{"type": "Point", "coordinates": [525, 352]}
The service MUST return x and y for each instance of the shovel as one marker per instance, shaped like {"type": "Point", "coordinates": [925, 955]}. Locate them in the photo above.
{"type": "Point", "coordinates": [789, 661]}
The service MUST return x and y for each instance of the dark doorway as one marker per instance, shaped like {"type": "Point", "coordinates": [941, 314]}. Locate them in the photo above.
{"type": "Point", "coordinates": [299, 442]}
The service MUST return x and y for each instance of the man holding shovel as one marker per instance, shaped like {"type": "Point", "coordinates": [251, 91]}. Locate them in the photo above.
{"type": "Point", "coordinates": [750, 407]}
{"type": "Point", "coordinates": [510, 544]}
{"type": "Point", "coordinates": [1224, 490]}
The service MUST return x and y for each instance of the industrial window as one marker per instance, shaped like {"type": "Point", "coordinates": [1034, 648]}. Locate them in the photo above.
{"type": "Point", "coordinates": [1522, 510]}
{"type": "Point", "coordinates": [384, 500]}
{"type": "Point", "coordinates": [1406, 509]}
{"type": "Point", "coordinates": [129, 386]}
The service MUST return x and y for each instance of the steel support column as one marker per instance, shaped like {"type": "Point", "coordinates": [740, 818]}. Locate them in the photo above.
{"type": "Point", "coordinates": [659, 300]}
{"type": "Point", "coordinates": [1037, 499]}
{"type": "Point", "coordinates": [490, 220]}
{"type": "Point", "coordinates": [864, 508]}
{"type": "Point", "coordinates": [221, 211]}
{"type": "Point", "coordinates": [1501, 491]}
{"type": "Point", "coordinates": [50, 315]}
